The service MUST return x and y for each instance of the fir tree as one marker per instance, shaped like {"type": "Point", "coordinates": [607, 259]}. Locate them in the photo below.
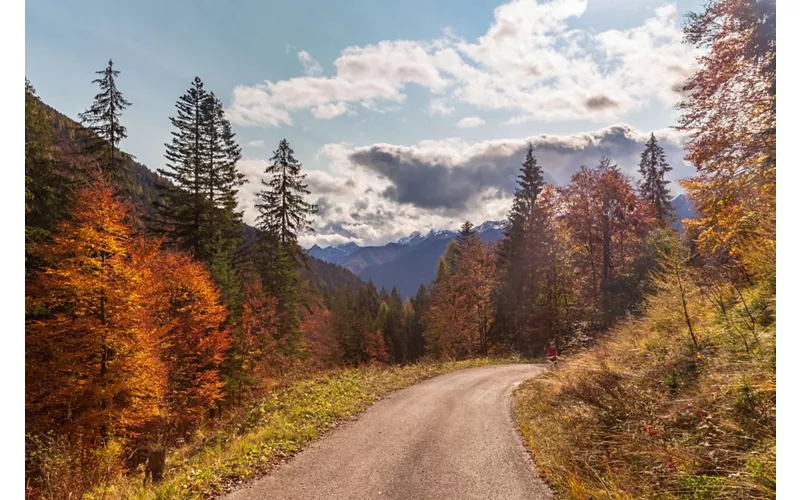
{"type": "Point", "coordinates": [46, 184]}
{"type": "Point", "coordinates": [518, 274]}
{"type": "Point", "coordinates": [653, 187]}
{"type": "Point", "coordinates": [467, 231]}
{"type": "Point", "coordinates": [103, 120]}
{"type": "Point", "coordinates": [182, 206]}
{"type": "Point", "coordinates": [283, 211]}
{"type": "Point", "coordinates": [283, 214]}
{"type": "Point", "coordinates": [198, 209]}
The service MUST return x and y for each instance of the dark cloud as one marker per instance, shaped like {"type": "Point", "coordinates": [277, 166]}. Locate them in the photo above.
{"type": "Point", "coordinates": [447, 181]}
{"type": "Point", "coordinates": [600, 102]}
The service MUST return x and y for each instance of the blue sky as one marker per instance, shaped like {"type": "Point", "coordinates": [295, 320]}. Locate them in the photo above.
{"type": "Point", "coordinates": [408, 115]}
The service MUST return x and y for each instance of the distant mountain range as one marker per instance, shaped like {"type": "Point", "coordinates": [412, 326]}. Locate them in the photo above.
{"type": "Point", "coordinates": [411, 261]}
{"type": "Point", "coordinates": [406, 264]}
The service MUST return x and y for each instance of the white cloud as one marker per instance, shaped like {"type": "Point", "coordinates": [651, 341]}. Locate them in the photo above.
{"type": "Point", "coordinates": [439, 107]}
{"type": "Point", "coordinates": [470, 121]}
{"type": "Point", "coordinates": [310, 65]}
{"type": "Point", "coordinates": [528, 63]}
{"type": "Point", "coordinates": [256, 144]}
{"type": "Point", "coordinates": [329, 110]}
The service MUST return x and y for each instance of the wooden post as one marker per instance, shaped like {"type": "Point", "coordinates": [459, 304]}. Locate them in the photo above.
{"type": "Point", "coordinates": [156, 461]}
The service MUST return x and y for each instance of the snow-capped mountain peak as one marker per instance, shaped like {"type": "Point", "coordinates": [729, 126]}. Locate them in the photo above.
{"type": "Point", "coordinates": [411, 239]}
{"type": "Point", "coordinates": [489, 225]}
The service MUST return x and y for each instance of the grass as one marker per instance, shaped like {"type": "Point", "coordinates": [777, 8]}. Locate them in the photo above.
{"type": "Point", "coordinates": [646, 414]}
{"type": "Point", "coordinates": [273, 429]}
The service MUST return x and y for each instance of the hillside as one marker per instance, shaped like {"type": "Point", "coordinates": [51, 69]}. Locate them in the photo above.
{"type": "Point", "coordinates": [142, 191]}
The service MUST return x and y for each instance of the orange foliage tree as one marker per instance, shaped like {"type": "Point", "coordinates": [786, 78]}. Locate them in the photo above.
{"type": "Point", "coordinates": [184, 308]}
{"type": "Point", "coordinates": [460, 318]}
{"type": "Point", "coordinates": [607, 224]}
{"type": "Point", "coordinates": [92, 364]}
{"type": "Point", "coordinates": [730, 114]}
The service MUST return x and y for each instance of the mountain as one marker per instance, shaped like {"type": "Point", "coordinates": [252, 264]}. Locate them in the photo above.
{"type": "Point", "coordinates": [333, 254]}
{"type": "Point", "coordinates": [683, 209]}
{"type": "Point", "coordinates": [405, 264]}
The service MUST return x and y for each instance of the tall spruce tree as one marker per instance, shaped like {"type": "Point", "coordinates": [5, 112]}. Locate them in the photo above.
{"type": "Point", "coordinates": [182, 205]}
{"type": "Point", "coordinates": [466, 232]}
{"type": "Point", "coordinates": [197, 209]}
{"type": "Point", "coordinates": [103, 120]}
{"type": "Point", "coordinates": [514, 299]}
{"type": "Point", "coordinates": [653, 186]}
{"type": "Point", "coordinates": [283, 211]}
{"type": "Point", "coordinates": [283, 214]}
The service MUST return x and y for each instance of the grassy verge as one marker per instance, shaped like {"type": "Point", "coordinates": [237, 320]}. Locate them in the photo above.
{"type": "Point", "coordinates": [646, 414]}
{"type": "Point", "coordinates": [274, 429]}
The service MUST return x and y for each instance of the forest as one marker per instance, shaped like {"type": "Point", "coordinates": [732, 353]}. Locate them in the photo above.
{"type": "Point", "coordinates": [152, 310]}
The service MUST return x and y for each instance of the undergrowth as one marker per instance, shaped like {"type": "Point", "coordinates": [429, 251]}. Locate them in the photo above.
{"type": "Point", "coordinates": [646, 413]}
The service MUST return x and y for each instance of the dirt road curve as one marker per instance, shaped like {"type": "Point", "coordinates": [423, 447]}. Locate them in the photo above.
{"type": "Point", "coordinates": [452, 436]}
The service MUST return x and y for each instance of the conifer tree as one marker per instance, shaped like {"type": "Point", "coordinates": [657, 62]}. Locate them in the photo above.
{"type": "Point", "coordinates": [46, 185]}
{"type": "Point", "coordinates": [467, 230]}
{"type": "Point", "coordinates": [198, 210]}
{"type": "Point", "coordinates": [518, 274]}
{"type": "Point", "coordinates": [283, 213]}
{"type": "Point", "coordinates": [103, 120]}
{"type": "Point", "coordinates": [183, 207]}
{"type": "Point", "coordinates": [653, 187]}
{"type": "Point", "coordinates": [283, 210]}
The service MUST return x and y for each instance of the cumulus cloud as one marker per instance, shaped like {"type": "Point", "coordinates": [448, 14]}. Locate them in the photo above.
{"type": "Point", "coordinates": [529, 62]}
{"type": "Point", "coordinates": [310, 65]}
{"type": "Point", "coordinates": [470, 121]}
{"type": "Point", "coordinates": [377, 193]}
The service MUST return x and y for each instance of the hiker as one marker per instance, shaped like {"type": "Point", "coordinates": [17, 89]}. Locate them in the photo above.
{"type": "Point", "coordinates": [552, 352]}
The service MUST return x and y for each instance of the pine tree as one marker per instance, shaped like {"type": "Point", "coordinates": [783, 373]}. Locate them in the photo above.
{"type": "Point", "coordinates": [467, 231]}
{"type": "Point", "coordinates": [518, 275]}
{"type": "Point", "coordinates": [198, 210]}
{"type": "Point", "coordinates": [283, 210]}
{"type": "Point", "coordinates": [47, 186]}
{"type": "Point", "coordinates": [283, 214]}
{"type": "Point", "coordinates": [102, 119]}
{"type": "Point", "coordinates": [653, 187]}
{"type": "Point", "coordinates": [182, 205]}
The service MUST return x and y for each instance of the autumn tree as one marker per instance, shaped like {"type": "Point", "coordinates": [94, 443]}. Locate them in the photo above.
{"type": "Point", "coordinates": [103, 120]}
{"type": "Point", "coordinates": [183, 306]}
{"type": "Point", "coordinates": [460, 317]}
{"type": "Point", "coordinates": [653, 186]}
{"type": "Point", "coordinates": [92, 365]}
{"type": "Point", "coordinates": [730, 113]}
{"type": "Point", "coordinates": [607, 224]}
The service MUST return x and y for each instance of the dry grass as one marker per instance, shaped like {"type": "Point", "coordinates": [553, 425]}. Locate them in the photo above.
{"type": "Point", "coordinates": [645, 414]}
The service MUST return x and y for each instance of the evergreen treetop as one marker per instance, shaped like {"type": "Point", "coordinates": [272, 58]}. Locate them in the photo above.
{"type": "Point", "coordinates": [103, 120]}
{"type": "Point", "coordinates": [653, 186]}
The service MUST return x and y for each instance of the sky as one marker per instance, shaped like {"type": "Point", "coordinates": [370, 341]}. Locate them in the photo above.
{"type": "Point", "coordinates": [407, 116]}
